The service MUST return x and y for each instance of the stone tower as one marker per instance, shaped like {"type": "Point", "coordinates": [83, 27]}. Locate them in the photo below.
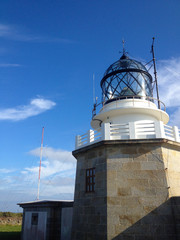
{"type": "Point", "coordinates": [128, 166]}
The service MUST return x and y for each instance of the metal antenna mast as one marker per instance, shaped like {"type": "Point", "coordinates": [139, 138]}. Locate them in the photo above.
{"type": "Point", "coordinates": [155, 72]}
{"type": "Point", "coordinates": [94, 98]}
{"type": "Point", "coordinates": [40, 162]}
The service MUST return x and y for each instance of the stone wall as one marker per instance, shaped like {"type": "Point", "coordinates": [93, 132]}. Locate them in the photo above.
{"type": "Point", "coordinates": [90, 211]}
{"type": "Point", "coordinates": [134, 183]}
{"type": "Point", "coordinates": [171, 157]}
{"type": "Point", "coordinates": [136, 186]}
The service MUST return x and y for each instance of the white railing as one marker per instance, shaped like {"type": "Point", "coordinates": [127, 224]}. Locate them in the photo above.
{"type": "Point", "coordinates": [89, 137]}
{"type": "Point", "coordinates": [119, 131]}
{"type": "Point", "coordinates": [131, 130]}
{"type": "Point", "coordinates": [169, 132]}
{"type": "Point", "coordinates": [145, 130]}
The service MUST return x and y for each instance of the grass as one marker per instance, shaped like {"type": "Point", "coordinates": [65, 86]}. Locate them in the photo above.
{"type": "Point", "coordinates": [10, 232]}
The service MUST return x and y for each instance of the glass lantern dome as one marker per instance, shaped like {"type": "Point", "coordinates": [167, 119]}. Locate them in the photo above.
{"type": "Point", "coordinates": [126, 78]}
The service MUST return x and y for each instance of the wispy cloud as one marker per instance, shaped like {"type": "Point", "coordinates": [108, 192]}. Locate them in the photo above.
{"type": "Point", "coordinates": [35, 107]}
{"type": "Point", "coordinates": [175, 117]}
{"type": "Point", "coordinates": [5, 170]}
{"type": "Point", "coordinates": [5, 65]}
{"type": "Point", "coordinates": [13, 32]}
{"type": "Point", "coordinates": [169, 81]}
{"type": "Point", "coordinates": [169, 86]}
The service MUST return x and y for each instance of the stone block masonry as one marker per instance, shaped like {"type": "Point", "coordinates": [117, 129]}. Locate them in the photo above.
{"type": "Point", "coordinates": [137, 190]}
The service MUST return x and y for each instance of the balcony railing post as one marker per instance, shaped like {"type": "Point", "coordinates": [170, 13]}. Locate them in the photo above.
{"type": "Point", "coordinates": [90, 136]}
{"type": "Point", "coordinates": [176, 133]}
{"type": "Point", "coordinates": [105, 128]}
{"type": "Point", "coordinates": [159, 129]}
{"type": "Point", "coordinates": [78, 141]}
{"type": "Point", "coordinates": [132, 130]}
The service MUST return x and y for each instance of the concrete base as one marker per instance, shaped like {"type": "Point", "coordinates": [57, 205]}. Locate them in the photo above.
{"type": "Point", "coordinates": [137, 189]}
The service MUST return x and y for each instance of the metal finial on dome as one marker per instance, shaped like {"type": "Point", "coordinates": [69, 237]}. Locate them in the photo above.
{"type": "Point", "coordinates": [123, 46]}
{"type": "Point", "coordinates": [124, 56]}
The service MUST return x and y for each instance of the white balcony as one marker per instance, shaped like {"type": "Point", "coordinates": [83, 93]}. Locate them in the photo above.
{"type": "Point", "coordinates": [132, 130]}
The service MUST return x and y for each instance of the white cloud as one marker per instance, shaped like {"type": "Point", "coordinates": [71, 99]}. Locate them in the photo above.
{"type": "Point", "coordinates": [57, 179]}
{"type": "Point", "coordinates": [13, 32]}
{"type": "Point", "coordinates": [58, 167]}
{"type": "Point", "coordinates": [55, 161]}
{"type": "Point", "coordinates": [35, 107]}
{"type": "Point", "coordinates": [169, 87]}
{"type": "Point", "coordinates": [54, 154]}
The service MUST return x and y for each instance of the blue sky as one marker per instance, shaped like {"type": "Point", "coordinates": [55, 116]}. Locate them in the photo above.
{"type": "Point", "coordinates": [49, 51]}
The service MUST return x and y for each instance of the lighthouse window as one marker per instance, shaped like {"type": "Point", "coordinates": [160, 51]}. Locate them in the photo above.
{"type": "Point", "coordinates": [90, 179]}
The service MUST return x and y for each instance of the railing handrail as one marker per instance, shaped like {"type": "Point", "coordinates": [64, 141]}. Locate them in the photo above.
{"type": "Point", "coordinates": [167, 126]}
{"type": "Point", "coordinates": [151, 99]}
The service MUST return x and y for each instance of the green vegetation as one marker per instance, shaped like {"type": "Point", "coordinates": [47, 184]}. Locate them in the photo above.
{"type": "Point", "coordinates": [9, 232]}
{"type": "Point", "coordinates": [10, 214]}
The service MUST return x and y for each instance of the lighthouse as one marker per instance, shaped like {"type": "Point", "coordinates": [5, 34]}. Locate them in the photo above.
{"type": "Point", "coordinates": [128, 165]}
